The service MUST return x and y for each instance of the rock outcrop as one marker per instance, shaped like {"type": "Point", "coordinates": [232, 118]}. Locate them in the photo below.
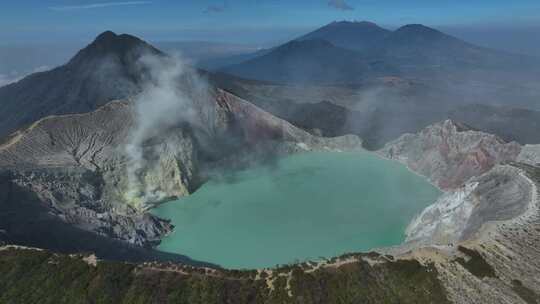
{"type": "Point", "coordinates": [530, 154]}
{"type": "Point", "coordinates": [483, 237]}
{"type": "Point", "coordinates": [481, 234]}
{"type": "Point", "coordinates": [75, 165]}
{"type": "Point", "coordinates": [502, 193]}
{"type": "Point", "coordinates": [476, 170]}
{"type": "Point", "coordinates": [449, 154]}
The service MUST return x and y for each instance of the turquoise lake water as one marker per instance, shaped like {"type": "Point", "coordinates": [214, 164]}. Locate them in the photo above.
{"type": "Point", "coordinates": [305, 206]}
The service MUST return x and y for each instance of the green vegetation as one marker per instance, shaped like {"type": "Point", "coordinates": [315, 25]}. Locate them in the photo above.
{"type": "Point", "coordinates": [393, 282]}
{"type": "Point", "coordinates": [28, 276]}
{"type": "Point", "coordinates": [476, 263]}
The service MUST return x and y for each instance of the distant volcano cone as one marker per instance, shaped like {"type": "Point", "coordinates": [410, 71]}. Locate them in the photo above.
{"type": "Point", "coordinates": [105, 70]}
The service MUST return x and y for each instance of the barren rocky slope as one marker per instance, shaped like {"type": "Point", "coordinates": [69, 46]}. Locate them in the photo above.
{"type": "Point", "coordinates": [483, 237]}
{"type": "Point", "coordinates": [449, 153]}
{"type": "Point", "coordinates": [530, 154]}
{"type": "Point", "coordinates": [76, 164]}
{"type": "Point", "coordinates": [479, 173]}
{"type": "Point", "coordinates": [482, 233]}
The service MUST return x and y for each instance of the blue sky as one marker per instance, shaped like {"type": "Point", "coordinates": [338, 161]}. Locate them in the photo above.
{"type": "Point", "coordinates": [242, 20]}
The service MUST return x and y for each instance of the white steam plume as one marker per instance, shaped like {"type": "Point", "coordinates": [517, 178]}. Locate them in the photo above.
{"type": "Point", "coordinates": [164, 103]}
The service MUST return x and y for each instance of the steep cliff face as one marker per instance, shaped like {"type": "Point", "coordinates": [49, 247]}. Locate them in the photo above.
{"type": "Point", "coordinates": [530, 154]}
{"type": "Point", "coordinates": [84, 140]}
{"type": "Point", "coordinates": [449, 153]}
{"type": "Point", "coordinates": [502, 193]}
{"type": "Point", "coordinates": [482, 233]}
{"type": "Point", "coordinates": [473, 169]}
{"type": "Point", "coordinates": [75, 164]}
{"type": "Point", "coordinates": [78, 165]}
{"type": "Point", "coordinates": [483, 237]}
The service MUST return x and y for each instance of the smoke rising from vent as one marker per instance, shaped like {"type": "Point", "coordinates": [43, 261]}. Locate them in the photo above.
{"type": "Point", "coordinates": [172, 95]}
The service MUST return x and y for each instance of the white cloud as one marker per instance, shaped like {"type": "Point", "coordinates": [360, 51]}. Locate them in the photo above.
{"type": "Point", "coordinates": [6, 79]}
{"type": "Point", "coordinates": [15, 76]}
{"type": "Point", "coordinates": [340, 4]}
{"type": "Point", "coordinates": [97, 5]}
{"type": "Point", "coordinates": [39, 69]}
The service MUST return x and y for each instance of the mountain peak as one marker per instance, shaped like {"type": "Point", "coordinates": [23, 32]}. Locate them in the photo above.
{"type": "Point", "coordinates": [354, 23]}
{"type": "Point", "coordinates": [419, 30]}
{"type": "Point", "coordinates": [355, 35]}
{"type": "Point", "coordinates": [106, 36]}
{"type": "Point", "coordinates": [416, 27]}
{"type": "Point", "coordinates": [109, 43]}
{"type": "Point", "coordinates": [419, 35]}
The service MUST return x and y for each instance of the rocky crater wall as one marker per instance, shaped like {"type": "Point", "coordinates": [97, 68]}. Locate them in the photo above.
{"type": "Point", "coordinates": [77, 165]}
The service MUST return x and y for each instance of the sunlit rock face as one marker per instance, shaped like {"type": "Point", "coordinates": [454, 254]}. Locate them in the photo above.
{"type": "Point", "coordinates": [444, 221]}
{"type": "Point", "coordinates": [469, 166]}
{"type": "Point", "coordinates": [449, 153]}
{"type": "Point", "coordinates": [75, 167]}
{"type": "Point", "coordinates": [502, 193]}
{"type": "Point", "coordinates": [530, 154]}
{"type": "Point", "coordinates": [166, 171]}
{"type": "Point", "coordinates": [486, 222]}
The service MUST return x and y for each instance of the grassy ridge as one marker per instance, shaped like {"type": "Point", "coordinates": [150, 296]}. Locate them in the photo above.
{"type": "Point", "coordinates": [29, 276]}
